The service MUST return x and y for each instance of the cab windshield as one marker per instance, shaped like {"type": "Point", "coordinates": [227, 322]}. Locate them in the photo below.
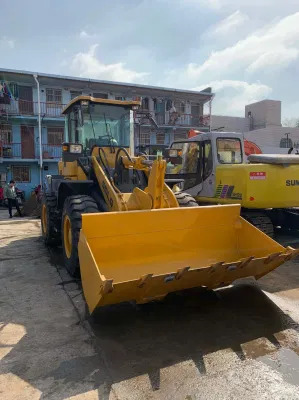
{"type": "Point", "coordinates": [229, 151]}
{"type": "Point", "coordinates": [183, 158]}
{"type": "Point", "coordinates": [101, 125]}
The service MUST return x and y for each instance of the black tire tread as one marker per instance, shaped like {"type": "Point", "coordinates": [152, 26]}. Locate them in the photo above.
{"type": "Point", "coordinates": [260, 220]}
{"type": "Point", "coordinates": [185, 199]}
{"type": "Point", "coordinates": [52, 237]}
{"type": "Point", "coordinates": [75, 206]}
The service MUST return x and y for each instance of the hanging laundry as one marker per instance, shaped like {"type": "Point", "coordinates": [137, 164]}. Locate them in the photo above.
{"type": "Point", "coordinates": [14, 90]}
{"type": "Point", "coordinates": [5, 94]}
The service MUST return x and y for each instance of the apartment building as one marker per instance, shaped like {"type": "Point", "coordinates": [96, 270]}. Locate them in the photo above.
{"type": "Point", "coordinates": [32, 124]}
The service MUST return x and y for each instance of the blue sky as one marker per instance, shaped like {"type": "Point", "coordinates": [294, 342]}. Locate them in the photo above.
{"type": "Point", "coordinates": [247, 50]}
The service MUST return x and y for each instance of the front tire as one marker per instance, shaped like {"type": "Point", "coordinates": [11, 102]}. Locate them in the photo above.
{"type": "Point", "coordinates": [185, 199]}
{"type": "Point", "coordinates": [74, 207]}
{"type": "Point", "coordinates": [48, 220]}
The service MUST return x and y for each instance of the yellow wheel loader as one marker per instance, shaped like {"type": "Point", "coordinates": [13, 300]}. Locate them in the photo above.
{"type": "Point", "coordinates": [212, 167]}
{"type": "Point", "coordinates": [121, 226]}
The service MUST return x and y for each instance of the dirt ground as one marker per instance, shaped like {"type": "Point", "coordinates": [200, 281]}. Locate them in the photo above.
{"type": "Point", "coordinates": [237, 342]}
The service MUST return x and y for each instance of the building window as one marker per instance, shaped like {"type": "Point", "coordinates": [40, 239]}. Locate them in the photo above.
{"type": "Point", "coordinates": [180, 107]}
{"type": "Point", "coordinates": [160, 138]}
{"type": "Point", "coordinates": [100, 95]}
{"type": "Point", "coordinates": [54, 96]}
{"type": "Point", "coordinates": [20, 173]}
{"type": "Point", "coordinates": [145, 103]}
{"type": "Point", "coordinates": [55, 135]}
{"type": "Point", "coordinates": [5, 134]}
{"type": "Point", "coordinates": [74, 94]}
{"type": "Point", "coordinates": [144, 139]}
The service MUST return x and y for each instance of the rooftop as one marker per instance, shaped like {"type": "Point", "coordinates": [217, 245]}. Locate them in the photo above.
{"type": "Point", "coordinates": [27, 77]}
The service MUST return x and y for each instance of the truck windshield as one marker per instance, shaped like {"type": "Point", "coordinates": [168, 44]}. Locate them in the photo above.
{"type": "Point", "coordinates": [103, 125]}
{"type": "Point", "coordinates": [229, 151]}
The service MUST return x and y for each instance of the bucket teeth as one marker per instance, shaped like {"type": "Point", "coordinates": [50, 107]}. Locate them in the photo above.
{"type": "Point", "coordinates": [107, 286]}
{"type": "Point", "coordinates": [181, 272]}
{"type": "Point", "coordinates": [245, 262]}
{"type": "Point", "coordinates": [290, 253]}
{"type": "Point", "coordinates": [144, 279]}
{"type": "Point", "coordinates": [272, 257]}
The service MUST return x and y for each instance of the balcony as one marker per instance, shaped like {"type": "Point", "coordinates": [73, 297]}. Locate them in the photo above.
{"type": "Point", "coordinates": [52, 151]}
{"type": "Point", "coordinates": [10, 150]}
{"type": "Point", "coordinates": [30, 108]}
{"type": "Point", "coordinates": [21, 151]}
{"type": "Point", "coordinates": [145, 117]}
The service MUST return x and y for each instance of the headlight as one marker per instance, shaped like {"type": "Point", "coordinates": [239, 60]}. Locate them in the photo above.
{"type": "Point", "coordinates": [75, 148]}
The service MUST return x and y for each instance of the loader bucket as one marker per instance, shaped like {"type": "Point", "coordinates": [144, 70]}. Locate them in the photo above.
{"type": "Point", "coordinates": [143, 255]}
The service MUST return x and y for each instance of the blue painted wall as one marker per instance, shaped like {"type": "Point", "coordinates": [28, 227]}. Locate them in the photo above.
{"type": "Point", "coordinates": [27, 187]}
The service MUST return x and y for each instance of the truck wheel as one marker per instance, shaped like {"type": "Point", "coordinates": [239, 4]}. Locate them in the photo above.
{"type": "Point", "coordinates": [261, 221]}
{"type": "Point", "coordinates": [48, 212]}
{"type": "Point", "coordinates": [74, 207]}
{"type": "Point", "coordinates": [185, 200]}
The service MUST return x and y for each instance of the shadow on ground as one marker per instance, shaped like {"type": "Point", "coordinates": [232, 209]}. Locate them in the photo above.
{"type": "Point", "coordinates": [135, 340]}
{"type": "Point", "coordinates": [186, 326]}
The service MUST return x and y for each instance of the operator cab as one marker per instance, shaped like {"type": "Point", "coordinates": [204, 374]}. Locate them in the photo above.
{"type": "Point", "coordinates": [194, 160]}
{"type": "Point", "coordinates": [93, 122]}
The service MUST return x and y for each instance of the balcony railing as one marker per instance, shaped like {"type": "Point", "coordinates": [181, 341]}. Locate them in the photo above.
{"type": "Point", "coordinates": [52, 151]}
{"type": "Point", "coordinates": [24, 107]}
{"type": "Point", "coordinates": [145, 117]}
{"type": "Point", "coordinates": [10, 150]}
{"type": "Point", "coordinates": [19, 150]}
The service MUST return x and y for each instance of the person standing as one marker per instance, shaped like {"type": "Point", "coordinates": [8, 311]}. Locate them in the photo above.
{"type": "Point", "coordinates": [11, 196]}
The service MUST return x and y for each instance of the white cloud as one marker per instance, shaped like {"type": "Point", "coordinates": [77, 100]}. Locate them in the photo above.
{"type": "Point", "coordinates": [230, 23]}
{"type": "Point", "coordinates": [232, 95]}
{"type": "Point", "coordinates": [84, 35]}
{"type": "Point", "coordinates": [273, 47]}
{"type": "Point", "coordinates": [7, 42]}
{"type": "Point", "coordinates": [88, 65]}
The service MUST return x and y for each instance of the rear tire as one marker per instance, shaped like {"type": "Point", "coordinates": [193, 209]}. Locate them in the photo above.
{"type": "Point", "coordinates": [48, 220]}
{"type": "Point", "coordinates": [74, 207]}
{"type": "Point", "coordinates": [260, 220]}
{"type": "Point", "coordinates": [185, 200]}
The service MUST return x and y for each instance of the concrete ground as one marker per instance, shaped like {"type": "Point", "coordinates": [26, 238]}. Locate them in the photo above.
{"type": "Point", "coordinates": [238, 342]}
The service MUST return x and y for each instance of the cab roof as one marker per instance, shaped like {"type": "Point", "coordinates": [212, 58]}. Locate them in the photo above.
{"type": "Point", "coordinates": [78, 99]}
{"type": "Point", "coordinates": [217, 134]}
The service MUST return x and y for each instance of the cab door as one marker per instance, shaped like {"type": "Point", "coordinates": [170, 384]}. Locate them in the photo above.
{"type": "Point", "coordinates": [208, 170]}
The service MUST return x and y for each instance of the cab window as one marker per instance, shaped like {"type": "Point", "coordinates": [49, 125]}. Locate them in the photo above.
{"type": "Point", "coordinates": [229, 151]}
{"type": "Point", "coordinates": [185, 160]}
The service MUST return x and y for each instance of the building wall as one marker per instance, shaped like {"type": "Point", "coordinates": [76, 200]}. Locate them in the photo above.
{"type": "Point", "coordinates": [153, 135]}
{"type": "Point", "coordinates": [272, 136]}
{"type": "Point", "coordinates": [229, 124]}
{"type": "Point", "coordinates": [34, 169]}
{"type": "Point", "coordinates": [264, 113]}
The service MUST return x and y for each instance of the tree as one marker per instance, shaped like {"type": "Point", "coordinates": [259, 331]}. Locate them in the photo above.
{"type": "Point", "coordinates": [290, 122]}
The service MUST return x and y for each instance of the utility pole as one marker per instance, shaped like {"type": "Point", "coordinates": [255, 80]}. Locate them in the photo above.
{"type": "Point", "coordinates": [39, 132]}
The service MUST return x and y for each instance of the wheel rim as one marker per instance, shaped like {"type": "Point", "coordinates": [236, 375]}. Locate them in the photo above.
{"type": "Point", "coordinates": [67, 236]}
{"type": "Point", "coordinates": [44, 219]}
